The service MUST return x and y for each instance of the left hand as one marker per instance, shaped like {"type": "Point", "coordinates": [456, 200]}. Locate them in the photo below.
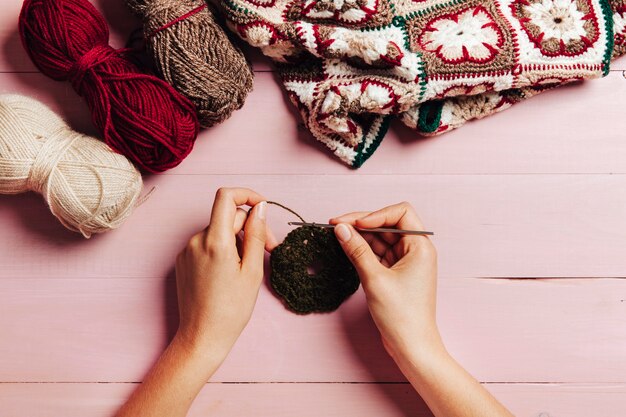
{"type": "Point", "coordinates": [218, 284]}
{"type": "Point", "coordinates": [217, 290]}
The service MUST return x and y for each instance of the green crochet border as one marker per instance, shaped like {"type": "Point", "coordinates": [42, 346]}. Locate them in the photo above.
{"type": "Point", "coordinates": [607, 11]}
{"type": "Point", "coordinates": [231, 5]}
{"type": "Point", "coordinates": [429, 116]}
{"type": "Point", "coordinates": [363, 154]}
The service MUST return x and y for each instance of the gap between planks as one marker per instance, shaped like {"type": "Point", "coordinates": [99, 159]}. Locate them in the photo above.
{"type": "Point", "coordinates": [440, 278]}
{"type": "Point", "coordinates": [387, 174]}
{"type": "Point", "coordinates": [544, 383]}
{"type": "Point", "coordinates": [259, 71]}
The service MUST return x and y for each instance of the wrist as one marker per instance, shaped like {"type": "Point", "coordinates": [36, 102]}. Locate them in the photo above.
{"type": "Point", "coordinates": [200, 349]}
{"type": "Point", "coordinates": [416, 348]}
{"type": "Point", "coordinates": [424, 367]}
{"type": "Point", "coordinates": [205, 335]}
{"type": "Point", "coordinates": [422, 361]}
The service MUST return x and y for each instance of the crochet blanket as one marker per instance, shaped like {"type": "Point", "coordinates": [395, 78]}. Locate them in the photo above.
{"type": "Point", "coordinates": [350, 66]}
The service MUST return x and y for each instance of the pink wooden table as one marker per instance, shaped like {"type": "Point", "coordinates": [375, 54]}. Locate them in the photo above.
{"type": "Point", "coordinates": [529, 207]}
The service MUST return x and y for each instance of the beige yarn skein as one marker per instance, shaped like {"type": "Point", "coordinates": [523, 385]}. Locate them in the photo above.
{"type": "Point", "coordinates": [87, 186]}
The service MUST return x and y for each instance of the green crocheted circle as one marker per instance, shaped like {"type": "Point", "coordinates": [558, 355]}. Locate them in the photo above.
{"type": "Point", "coordinates": [302, 289]}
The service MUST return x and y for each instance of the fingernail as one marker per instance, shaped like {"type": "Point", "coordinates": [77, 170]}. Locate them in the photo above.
{"type": "Point", "coordinates": [260, 210]}
{"type": "Point", "coordinates": [343, 232]}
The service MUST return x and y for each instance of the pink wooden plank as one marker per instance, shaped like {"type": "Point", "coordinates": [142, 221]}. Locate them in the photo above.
{"type": "Point", "coordinates": [485, 225]}
{"type": "Point", "coordinates": [279, 400]}
{"type": "Point", "coordinates": [111, 330]}
{"type": "Point", "coordinates": [12, 54]}
{"type": "Point", "coordinates": [310, 400]}
{"type": "Point", "coordinates": [560, 139]}
{"type": "Point", "coordinates": [553, 133]}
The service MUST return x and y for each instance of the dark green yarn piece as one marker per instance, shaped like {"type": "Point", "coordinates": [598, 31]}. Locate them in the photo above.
{"type": "Point", "coordinates": [607, 11]}
{"type": "Point", "coordinates": [361, 154]}
{"type": "Point", "coordinates": [430, 116]}
{"type": "Point", "coordinates": [327, 287]}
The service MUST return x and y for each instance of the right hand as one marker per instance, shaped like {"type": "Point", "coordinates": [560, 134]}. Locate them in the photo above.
{"type": "Point", "coordinates": [398, 273]}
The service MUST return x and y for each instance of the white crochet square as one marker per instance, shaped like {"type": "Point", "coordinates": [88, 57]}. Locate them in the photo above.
{"type": "Point", "coordinates": [544, 15]}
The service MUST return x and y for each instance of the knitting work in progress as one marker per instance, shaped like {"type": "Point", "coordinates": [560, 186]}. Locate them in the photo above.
{"type": "Point", "coordinates": [310, 271]}
{"type": "Point", "coordinates": [192, 53]}
{"type": "Point", "coordinates": [87, 186]}
{"type": "Point", "coordinates": [139, 115]}
{"type": "Point", "coordinates": [351, 65]}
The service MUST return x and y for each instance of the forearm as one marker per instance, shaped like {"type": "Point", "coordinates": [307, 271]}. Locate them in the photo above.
{"type": "Point", "coordinates": [447, 388]}
{"type": "Point", "coordinates": [174, 381]}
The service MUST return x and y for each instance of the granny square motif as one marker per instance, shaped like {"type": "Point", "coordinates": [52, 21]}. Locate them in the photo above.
{"type": "Point", "coordinates": [350, 66]}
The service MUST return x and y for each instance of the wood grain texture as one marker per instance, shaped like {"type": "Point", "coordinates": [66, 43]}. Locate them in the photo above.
{"type": "Point", "coordinates": [111, 330]}
{"type": "Point", "coordinates": [576, 129]}
{"type": "Point", "coordinates": [485, 225]}
{"type": "Point", "coordinates": [311, 400]}
{"type": "Point", "coordinates": [534, 192]}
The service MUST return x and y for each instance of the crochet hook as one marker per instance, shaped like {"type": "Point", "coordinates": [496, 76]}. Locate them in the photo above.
{"type": "Point", "coordinates": [374, 230]}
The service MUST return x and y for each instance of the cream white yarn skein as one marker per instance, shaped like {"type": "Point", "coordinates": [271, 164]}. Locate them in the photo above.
{"type": "Point", "coordinates": [87, 186]}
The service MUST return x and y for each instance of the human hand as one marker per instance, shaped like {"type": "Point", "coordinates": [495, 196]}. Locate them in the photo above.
{"type": "Point", "coordinates": [217, 283]}
{"type": "Point", "coordinates": [398, 273]}
{"type": "Point", "coordinates": [399, 276]}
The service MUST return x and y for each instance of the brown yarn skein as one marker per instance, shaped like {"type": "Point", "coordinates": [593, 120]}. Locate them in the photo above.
{"type": "Point", "coordinates": [192, 52]}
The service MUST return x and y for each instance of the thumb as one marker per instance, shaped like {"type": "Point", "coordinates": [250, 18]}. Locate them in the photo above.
{"type": "Point", "coordinates": [254, 237]}
{"type": "Point", "coordinates": [357, 249]}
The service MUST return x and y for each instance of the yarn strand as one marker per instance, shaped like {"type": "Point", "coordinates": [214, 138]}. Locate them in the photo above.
{"type": "Point", "coordinates": [178, 19]}
{"type": "Point", "coordinates": [288, 209]}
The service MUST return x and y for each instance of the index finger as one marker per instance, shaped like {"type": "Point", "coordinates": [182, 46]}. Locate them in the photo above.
{"type": "Point", "coordinates": [401, 215]}
{"type": "Point", "coordinates": [225, 209]}
{"type": "Point", "coordinates": [350, 218]}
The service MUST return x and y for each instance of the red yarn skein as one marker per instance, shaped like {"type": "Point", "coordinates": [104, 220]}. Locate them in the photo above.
{"type": "Point", "coordinates": [140, 116]}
